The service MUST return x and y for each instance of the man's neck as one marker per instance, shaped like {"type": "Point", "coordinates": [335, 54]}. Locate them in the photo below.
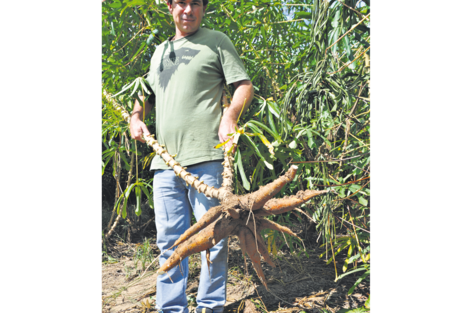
{"type": "Point", "coordinates": [180, 35]}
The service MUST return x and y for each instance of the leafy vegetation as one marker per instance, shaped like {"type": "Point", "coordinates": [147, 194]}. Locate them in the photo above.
{"type": "Point", "coordinates": [309, 63]}
{"type": "Point", "coordinates": [143, 254]}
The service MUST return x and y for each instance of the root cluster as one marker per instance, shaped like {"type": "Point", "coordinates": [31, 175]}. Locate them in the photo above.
{"type": "Point", "coordinates": [241, 216]}
{"type": "Point", "coordinates": [237, 215]}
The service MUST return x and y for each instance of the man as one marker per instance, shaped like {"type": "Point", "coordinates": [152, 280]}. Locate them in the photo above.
{"type": "Point", "coordinates": [186, 75]}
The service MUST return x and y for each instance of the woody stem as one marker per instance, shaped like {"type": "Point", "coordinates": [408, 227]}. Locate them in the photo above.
{"type": "Point", "coordinates": [227, 174]}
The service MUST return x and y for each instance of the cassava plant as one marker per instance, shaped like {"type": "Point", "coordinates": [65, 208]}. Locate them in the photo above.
{"type": "Point", "coordinates": [309, 62]}
{"type": "Point", "coordinates": [239, 215]}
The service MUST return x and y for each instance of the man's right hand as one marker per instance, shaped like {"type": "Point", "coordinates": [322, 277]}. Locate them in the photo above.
{"type": "Point", "coordinates": [138, 128]}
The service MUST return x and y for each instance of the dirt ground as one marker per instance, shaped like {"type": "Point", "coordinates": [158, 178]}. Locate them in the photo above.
{"type": "Point", "coordinates": [299, 283]}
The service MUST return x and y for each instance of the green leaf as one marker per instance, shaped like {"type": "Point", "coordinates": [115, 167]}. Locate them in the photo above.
{"type": "Point", "coordinates": [310, 142]}
{"type": "Point", "coordinates": [302, 14]}
{"type": "Point", "coordinates": [367, 304]}
{"type": "Point", "coordinates": [274, 108]}
{"type": "Point", "coordinates": [293, 144]}
{"type": "Point", "coordinates": [124, 9]}
{"type": "Point", "coordinates": [354, 187]}
{"type": "Point", "coordinates": [362, 201]}
{"type": "Point", "coordinates": [272, 124]}
{"type": "Point", "coordinates": [353, 271]}
{"type": "Point", "coordinates": [356, 310]}
{"type": "Point", "coordinates": [253, 123]}
{"type": "Point", "coordinates": [222, 143]}
{"type": "Point", "coordinates": [147, 194]}
{"type": "Point", "coordinates": [359, 280]}
{"type": "Point", "coordinates": [255, 148]}
{"type": "Point", "coordinates": [127, 192]}
{"type": "Point", "coordinates": [144, 44]}
{"type": "Point", "coordinates": [136, 2]}
{"type": "Point", "coordinates": [138, 209]}
{"type": "Point", "coordinates": [124, 89]}
{"type": "Point", "coordinates": [136, 85]}
{"type": "Point", "coordinates": [115, 5]}
{"type": "Point", "coordinates": [347, 46]}
{"type": "Point", "coordinates": [335, 21]}
{"type": "Point", "coordinates": [268, 165]}
{"type": "Point", "coordinates": [238, 161]}
{"type": "Point", "coordinates": [112, 29]}
{"type": "Point", "coordinates": [144, 83]}
{"type": "Point", "coordinates": [123, 157]}
{"type": "Point", "coordinates": [150, 39]}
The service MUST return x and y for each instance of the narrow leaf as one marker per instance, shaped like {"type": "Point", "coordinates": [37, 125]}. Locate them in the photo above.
{"type": "Point", "coordinates": [238, 160]}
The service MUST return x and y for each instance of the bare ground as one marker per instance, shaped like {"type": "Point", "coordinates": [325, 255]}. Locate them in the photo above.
{"type": "Point", "coordinates": [299, 283]}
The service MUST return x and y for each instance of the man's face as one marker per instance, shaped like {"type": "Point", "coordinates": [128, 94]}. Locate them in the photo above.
{"type": "Point", "coordinates": [187, 15]}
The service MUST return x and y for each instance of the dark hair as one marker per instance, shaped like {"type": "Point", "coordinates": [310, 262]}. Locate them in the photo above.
{"type": "Point", "coordinates": [204, 2]}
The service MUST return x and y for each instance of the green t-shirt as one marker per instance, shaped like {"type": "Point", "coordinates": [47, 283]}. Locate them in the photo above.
{"type": "Point", "coordinates": [186, 76]}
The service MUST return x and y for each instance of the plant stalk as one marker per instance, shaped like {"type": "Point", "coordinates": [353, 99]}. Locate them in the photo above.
{"type": "Point", "coordinates": [129, 179]}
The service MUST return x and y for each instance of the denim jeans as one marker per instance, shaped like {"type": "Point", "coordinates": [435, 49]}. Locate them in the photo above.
{"type": "Point", "coordinates": [173, 204]}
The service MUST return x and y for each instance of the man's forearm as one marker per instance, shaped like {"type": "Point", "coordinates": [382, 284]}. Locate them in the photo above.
{"type": "Point", "coordinates": [242, 97]}
{"type": "Point", "coordinates": [138, 111]}
{"type": "Point", "coordinates": [137, 126]}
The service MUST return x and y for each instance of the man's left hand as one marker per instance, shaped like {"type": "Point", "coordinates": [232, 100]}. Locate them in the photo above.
{"type": "Point", "coordinates": [242, 97]}
{"type": "Point", "coordinates": [227, 126]}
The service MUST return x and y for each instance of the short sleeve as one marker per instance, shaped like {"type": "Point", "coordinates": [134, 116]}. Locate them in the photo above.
{"type": "Point", "coordinates": [232, 65]}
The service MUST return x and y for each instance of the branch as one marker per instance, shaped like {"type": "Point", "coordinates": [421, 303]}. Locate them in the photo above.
{"type": "Point", "coordinates": [346, 33]}
{"type": "Point", "coordinates": [332, 160]}
{"type": "Point", "coordinates": [118, 218]}
{"type": "Point", "coordinates": [348, 125]}
{"type": "Point", "coordinates": [357, 12]}
{"type": "Point", "coordinates": [352, 224]}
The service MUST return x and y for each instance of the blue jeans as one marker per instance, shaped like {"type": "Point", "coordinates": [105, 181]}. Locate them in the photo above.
{"type": "Point", "coordinates": [173, 203]}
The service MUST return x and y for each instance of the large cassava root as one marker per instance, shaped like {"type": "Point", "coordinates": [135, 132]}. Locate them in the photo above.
{"type": "Point", "coordinates": [286, 204]}
{"type": "Point", "coordinates": [205, 240]}
{"type": "Point", "coordinates": [233, 217]}
{"type": "Point", "coordinates": [210, 216]}
{"type": "Point", "coordinates": [241, 216]}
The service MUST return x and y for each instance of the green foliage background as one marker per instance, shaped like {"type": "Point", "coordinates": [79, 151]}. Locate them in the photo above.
{"type": "Point", "coordinates": [309, 63]}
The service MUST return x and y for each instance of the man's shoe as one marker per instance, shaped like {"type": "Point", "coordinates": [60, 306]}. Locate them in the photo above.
{"type": "Point", "coordinates": [203, 310]}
